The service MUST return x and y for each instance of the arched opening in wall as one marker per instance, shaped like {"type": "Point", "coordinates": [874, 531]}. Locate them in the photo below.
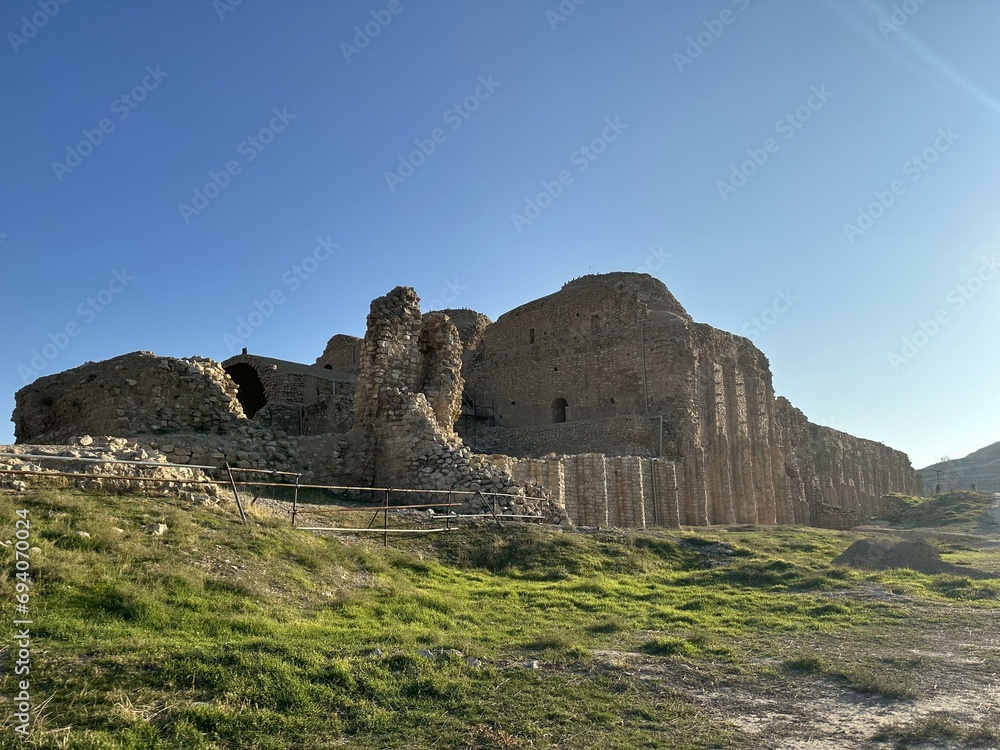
{"type": "Point", "coordinates": [327, 367]}
{"type": "Point", "coordinates": [559, 410]}
{"type": "Point", "coordinates": [251, 390]}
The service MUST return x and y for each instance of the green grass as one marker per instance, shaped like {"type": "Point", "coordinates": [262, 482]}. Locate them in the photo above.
{"type": "Point", "coordinates": [883, 678]}
{"type": "Point", "coordinates": [962, 510]}
{"type": "Point", "coordinates": [934, 730]}
{"type": "Point", "coordinates": [219, 636]}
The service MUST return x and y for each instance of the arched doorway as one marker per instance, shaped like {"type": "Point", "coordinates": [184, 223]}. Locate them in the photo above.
{"type": "Point", "coordinates": [559, 410]}
{"type": "Point", "coordinates": [251, 390]}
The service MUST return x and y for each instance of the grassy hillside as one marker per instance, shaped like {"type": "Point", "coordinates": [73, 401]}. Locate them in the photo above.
{"type": "Point", "coordinates": [958, 511]}
{"type": "Point", "coordinates": [981, 467]}
{"type": "Point", "coordinates": [218, 636]}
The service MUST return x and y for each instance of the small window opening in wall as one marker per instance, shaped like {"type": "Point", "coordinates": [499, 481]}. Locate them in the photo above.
{"type": "Point", "coordinates": [559, 410]}
{"type": "Point", "coordinates": [513, 403]}
{"type": "Point", "coordinates": [612, 399]}
{"type": "Point", "coordinates": [531, 335]}
{"type": "Point", "coordinates": [555, 369]}
{"type": "Point", "coordinates": [327, 367]}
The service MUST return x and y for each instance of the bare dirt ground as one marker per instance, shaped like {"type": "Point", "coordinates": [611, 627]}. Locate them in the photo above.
{"type": "Point", "coordinates": [952, 673]}
{"type": "Point", "coordinates": [955, 677]}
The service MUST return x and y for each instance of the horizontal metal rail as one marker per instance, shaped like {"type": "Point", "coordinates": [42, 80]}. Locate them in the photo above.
{"type": "Point", "coordinates": [379, 508]}
{"type": "Point", "coordinates": [373, 531]}
{"type": "Point", "coordinates": [267, 471]}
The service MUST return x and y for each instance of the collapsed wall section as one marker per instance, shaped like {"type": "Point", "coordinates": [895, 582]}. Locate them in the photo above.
{"type": "Point", "coordinates": [409, 394]}
{"type": "Point", "coordinates": [128, 395]}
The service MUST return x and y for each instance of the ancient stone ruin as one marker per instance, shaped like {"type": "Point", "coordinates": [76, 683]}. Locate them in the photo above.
{"type": "Point", "coordinates": [604, 404]}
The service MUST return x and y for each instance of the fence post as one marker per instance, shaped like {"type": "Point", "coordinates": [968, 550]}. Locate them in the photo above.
{"type": "Point", "coordinates": [385, 519]}
{"type": "Point", "coordinates": [491, 506]}
{"type": "Point", "coordinates": [295, 499]}
{"type": "Point", "coordinates": [447, 518]}
{"type": "Point", "coordinates": [239, 503]}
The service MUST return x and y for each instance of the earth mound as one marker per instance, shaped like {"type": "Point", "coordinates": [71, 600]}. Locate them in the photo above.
{"type": "Point", "coordinates": [878, 554]}
{"type": "Point", "coordinates": [918, 555]}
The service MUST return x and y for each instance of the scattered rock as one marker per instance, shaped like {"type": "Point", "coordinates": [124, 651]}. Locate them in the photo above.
{"type": "Point", "coordinates": [157, 529]}
{"type": "Point", "coordinates": [83, 534]}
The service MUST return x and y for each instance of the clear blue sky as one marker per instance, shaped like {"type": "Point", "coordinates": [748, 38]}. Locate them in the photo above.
{"type": "Point", "coordinates": [307, 119]}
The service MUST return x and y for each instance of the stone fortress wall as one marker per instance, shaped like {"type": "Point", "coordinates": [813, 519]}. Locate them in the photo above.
{"type": "Point", "coordinates": [604, 399]}
{"type": "Point", "coordinates": [598, 368]}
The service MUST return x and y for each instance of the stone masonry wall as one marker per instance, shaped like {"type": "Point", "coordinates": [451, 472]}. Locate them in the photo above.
{"type": "Point", "coordinates": [342, 352]}
{"type": "Point", "coordinates": [131, 394]}
{"type": "Point", "coordinates": [626, 435]}
{"type": "Point", "coordinates": [582, 344]}
{"type": "Point", "coordinates": [331, 414]}
{"type": "Point", "coordinates": [606, 491]}
{"type": "Point", "coordinates": [408, 396]}
{"type": "Point", "coordinates": [828, 466]}
{"type": "Point", "coordinates": [299, 384]}
{"type": "Point", "coordinates": [471, 326]}
{"type": "Point", "coordinates": [614, 356]}
{"type": "Point", "coordinates": [619, 347]}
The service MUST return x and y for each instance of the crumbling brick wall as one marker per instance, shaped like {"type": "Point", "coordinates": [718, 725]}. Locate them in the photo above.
{"type": "Point", "coordinates": [275, 393]}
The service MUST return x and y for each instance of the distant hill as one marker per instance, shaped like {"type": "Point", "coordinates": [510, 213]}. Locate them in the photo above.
{"type": "Point", "coordinates": [981, 467]}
